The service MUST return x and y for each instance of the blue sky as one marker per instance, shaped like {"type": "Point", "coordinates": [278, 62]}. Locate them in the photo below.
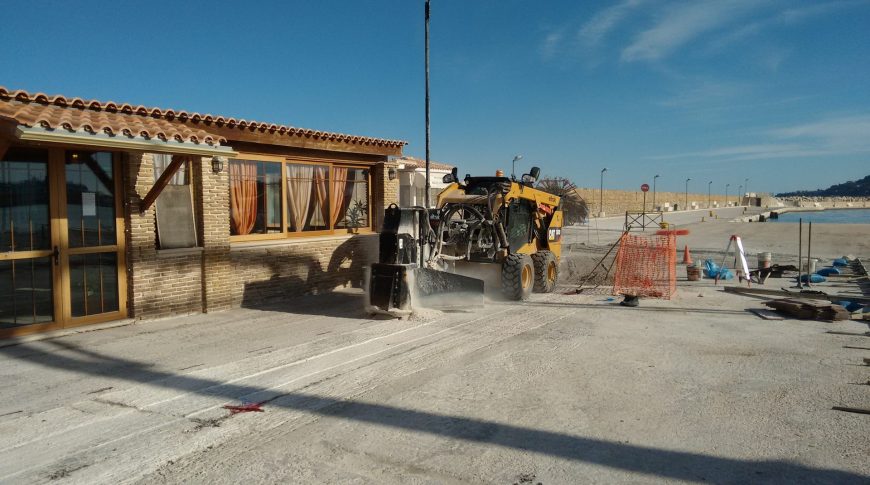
{"type": "Point", "coordinates": [777, 91]}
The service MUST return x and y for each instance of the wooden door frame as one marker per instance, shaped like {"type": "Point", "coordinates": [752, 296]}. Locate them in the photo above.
{"type": "Point", "coordinates": [60, 239]}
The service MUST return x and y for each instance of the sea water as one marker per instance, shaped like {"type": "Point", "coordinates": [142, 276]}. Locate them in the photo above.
{"type": "Point", "coordinates": [828, 216]}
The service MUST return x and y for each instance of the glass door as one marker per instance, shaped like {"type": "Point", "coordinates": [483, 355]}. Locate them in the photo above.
{"type": "Point", "coordinates": [91, 246]}
{"type": "Point", "coordinates": [61, 249]}
{"type": "Point", "coordinates": [27, 246]}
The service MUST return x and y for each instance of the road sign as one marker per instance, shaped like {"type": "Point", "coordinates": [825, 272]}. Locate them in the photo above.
{"type": "Point", "coordinates": [644, 187]}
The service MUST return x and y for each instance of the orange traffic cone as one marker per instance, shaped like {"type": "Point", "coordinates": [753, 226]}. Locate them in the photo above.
{"type": "Point", "coordinates": [687, 258]}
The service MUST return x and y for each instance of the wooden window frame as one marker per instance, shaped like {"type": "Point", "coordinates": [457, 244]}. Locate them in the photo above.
{"type": "Point", "coordinates": [287, 160]}
{"type": "Point", "coordinates": [191, 181]}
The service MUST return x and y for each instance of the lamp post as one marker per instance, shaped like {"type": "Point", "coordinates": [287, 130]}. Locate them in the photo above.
{"type": "Point", "coordinates": [746, 186]}
{"type": "Point", "coordinates": [687, 195]}
{"type": "Point", "coordinates": [601, 195]}
{"type": "Point", "coordinates": [726, 194]}
{"type": "Point", "coordinates": [739, 191]}
{"type": "Point", "coordinates": [514, 166]}
{"type": "Point", "coordinates": [709, 198]}
{"type": "Point", "coordinates": [654, 191]}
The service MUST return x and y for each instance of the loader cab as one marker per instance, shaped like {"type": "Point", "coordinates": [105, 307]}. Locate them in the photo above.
{"type": "Point", "coordinates": [518, 224]}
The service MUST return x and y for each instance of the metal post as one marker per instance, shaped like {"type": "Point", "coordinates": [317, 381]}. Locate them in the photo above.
{"type": "Point", "coordinates": [800, 250]}
{"type": "Point", "coordinates": [809, 250]}
{"type": "Point", "coordinates": [654, 191]}
{"type": "Point", "coordinates": [739, 191]}
{"type": "Point", "coordinates": [726, 194]}
{"type": "Point", "coordinates": [643, 214]}
{"type": "Point", "coordinates": [746, 186]}
{"type": "Point", "coordinates": [428, 184]}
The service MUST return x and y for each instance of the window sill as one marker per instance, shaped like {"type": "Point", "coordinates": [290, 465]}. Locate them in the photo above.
{"type": "Point", "coordinates": [171, 253]}
{"type": "Point", "coordinates": [265, 243]}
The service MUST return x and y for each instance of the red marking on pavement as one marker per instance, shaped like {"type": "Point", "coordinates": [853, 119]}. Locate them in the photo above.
{"type": "Point", "coordinates": [254, 407]}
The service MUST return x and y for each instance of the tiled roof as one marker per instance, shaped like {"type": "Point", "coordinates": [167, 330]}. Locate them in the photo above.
{"type": "Point", "coordinates": [411, 162]}
{"type": "Point", "coordinates": [113, 118]}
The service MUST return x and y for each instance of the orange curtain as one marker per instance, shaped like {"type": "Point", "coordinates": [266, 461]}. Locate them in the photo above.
{"type": "Point", "coordinates": [338, 201]}
{"type": "Point", "coordinates": [321, 178]}
{"type": "Point", "coordinates": [243, 196]}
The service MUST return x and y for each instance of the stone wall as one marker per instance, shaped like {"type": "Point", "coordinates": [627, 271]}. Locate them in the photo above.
{"type": "Point", "coordinates": [616, 202]}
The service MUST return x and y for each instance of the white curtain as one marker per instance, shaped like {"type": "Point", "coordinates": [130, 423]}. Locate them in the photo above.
{"type": "Point", "coordinates": [161, 161]}
{"type": "Point", "coordinates": [300, 180]}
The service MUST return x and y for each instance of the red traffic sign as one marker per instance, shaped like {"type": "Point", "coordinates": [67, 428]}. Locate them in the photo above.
{"type": "Point", "coordinates": [644, 188]}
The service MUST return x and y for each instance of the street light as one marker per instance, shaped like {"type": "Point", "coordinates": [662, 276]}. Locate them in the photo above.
{"type": "Point", "coordinates": [514, 166]}
{"type": "Point", "coordinates": [601, 195]}
{"type": "Point", "coordinates": [687, 195]}
{"type": "Point", "coordinates": [739, 191]}
{"type": "Point", "coordinates": [654, 191]}
{"type": "Point", "coordinates": [709, 199]}
{"type": "Point", "coordinates": [726, 194]}
{"type": "Point", "coordinates": [746, 186]}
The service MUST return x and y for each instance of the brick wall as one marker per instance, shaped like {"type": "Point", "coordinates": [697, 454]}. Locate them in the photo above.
{"type": "Point", "coordinates": [219, 276]}
{"type": "Point", "coordinates": [158, 283]}
{"type": "Point", "coordinates": [616, 202]}
{"type": "Point", "coordinates": [307, 266]}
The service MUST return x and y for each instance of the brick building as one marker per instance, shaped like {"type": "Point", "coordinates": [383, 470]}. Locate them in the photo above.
{"type": "Point", "coordinates": [110, 211]}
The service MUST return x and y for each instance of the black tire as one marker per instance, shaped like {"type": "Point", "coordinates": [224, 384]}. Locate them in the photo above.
{"type": "Point", "coordinates": [517, 276]}
{"type": "Point", "coordinates": [546, 271]}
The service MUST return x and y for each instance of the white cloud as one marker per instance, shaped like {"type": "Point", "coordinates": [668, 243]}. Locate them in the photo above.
{"type": "Point", "coordinates": [551, 44]}
{"type": "Point", "coordinates": [606, 20]}
{"type": "Point", "coordinates": [682, 24]}
{"type": "Point", "coordinates": [844, 135]}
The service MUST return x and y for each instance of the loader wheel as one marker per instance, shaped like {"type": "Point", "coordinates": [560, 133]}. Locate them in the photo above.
{"type": "Point", "coordinates": [517, 276]}
{"type": "Point", "coordinates": [546, 271]}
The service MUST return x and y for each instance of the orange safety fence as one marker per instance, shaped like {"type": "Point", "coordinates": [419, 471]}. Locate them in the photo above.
{"type": "Point", "coordinates": [646, 266]}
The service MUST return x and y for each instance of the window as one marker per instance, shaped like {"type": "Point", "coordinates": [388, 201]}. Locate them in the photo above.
{"type": "Point", "coordinates": [271, 199]}
{"type": "Point", "coordinates": [176, 222]}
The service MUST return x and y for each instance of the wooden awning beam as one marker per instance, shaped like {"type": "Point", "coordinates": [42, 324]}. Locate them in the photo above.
{"type": "Point", "coordinates": [161, 183]}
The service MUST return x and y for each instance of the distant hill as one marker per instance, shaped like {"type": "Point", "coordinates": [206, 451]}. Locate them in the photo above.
{"type": "Point", "coordinates": [856, 188]}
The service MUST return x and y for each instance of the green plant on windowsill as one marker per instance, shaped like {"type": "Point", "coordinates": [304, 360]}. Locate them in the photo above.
{"type": "Point", "coordinates": [357, 216]}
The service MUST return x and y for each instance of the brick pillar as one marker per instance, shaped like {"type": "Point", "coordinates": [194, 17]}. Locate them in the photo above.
{"type": "Point", "coordinates": [385, 191]}
{"type": "Point", "coordinates": [140, 231]}
{"type": "Point", "coordinates": [213, 201]}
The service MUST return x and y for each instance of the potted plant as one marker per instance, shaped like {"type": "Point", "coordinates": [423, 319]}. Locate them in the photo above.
{"type": "Point", "coordinates": [357, 216]}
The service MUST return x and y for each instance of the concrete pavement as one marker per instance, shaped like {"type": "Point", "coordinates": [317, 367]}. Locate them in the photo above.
{"type": "Point", "coordinates": [557, 389]}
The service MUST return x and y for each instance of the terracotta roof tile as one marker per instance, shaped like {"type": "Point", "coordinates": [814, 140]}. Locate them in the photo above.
{"type": "Point", "coordinates": [54, 112]}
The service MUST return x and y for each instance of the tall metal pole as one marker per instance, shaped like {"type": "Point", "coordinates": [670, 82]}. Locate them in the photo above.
{"type": "Point", "coordinates": [746, 186]}
{"type": "Point", "coordinates": [739, 191]}
{"type": "Point", "coordinates": [709, 199]}
{"type": "Point", "coordinates": [428, 184]}
{"type": "Point", "coordinates": [601, 194]}
{"type": "Point", "coordinates": [726, 194]}
{"type": "Point", "coordinates": [687, 195]}
{"type": "Point", "coordinates": [654, 192]}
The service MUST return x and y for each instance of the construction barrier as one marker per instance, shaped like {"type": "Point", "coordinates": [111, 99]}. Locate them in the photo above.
{"type": "Point", "coordinates": [646, 266]}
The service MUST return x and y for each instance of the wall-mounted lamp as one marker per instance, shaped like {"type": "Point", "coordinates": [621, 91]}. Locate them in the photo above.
{"type": "Point", "coordinates": [217, 165]}
{"type": "Point", "coordinates": [391, 173]}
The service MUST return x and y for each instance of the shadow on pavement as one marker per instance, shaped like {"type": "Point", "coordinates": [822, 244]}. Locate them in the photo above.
{"type": "Point", "coordinates": [671, 464]}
